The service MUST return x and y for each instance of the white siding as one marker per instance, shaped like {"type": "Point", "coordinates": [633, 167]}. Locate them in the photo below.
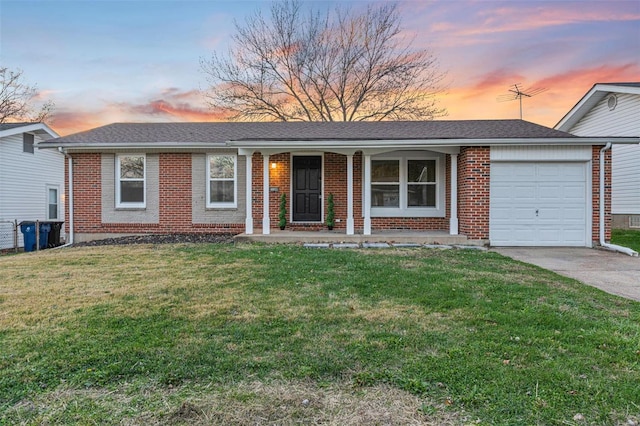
{"type": "Point", "coordinates": [540, 153]}
{"type": "Point", "coordinates": [624, 120]}
{"type": "Point", "coordinates": [24, 178]}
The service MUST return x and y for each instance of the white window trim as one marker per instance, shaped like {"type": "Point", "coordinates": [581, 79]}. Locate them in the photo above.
{"type": "Point", "coordinates": [129, 205]}
{"type": "Point", "coordinates": [47, 189]}
{"type": "Point", "coordinates": [404, 211]}
{"type": "Point", "coordinates": [233, 205]}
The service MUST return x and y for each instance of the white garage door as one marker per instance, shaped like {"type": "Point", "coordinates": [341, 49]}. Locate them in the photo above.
{"type": "Point", "coordinates": [538, 204]}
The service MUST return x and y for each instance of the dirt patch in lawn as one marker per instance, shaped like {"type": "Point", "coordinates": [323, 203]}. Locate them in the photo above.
{"type": "Point", "coordinates": [255, 403]}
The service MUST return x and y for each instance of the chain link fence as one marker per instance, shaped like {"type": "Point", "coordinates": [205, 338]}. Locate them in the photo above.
{"type": "Point", "coordinates": [8, 236]}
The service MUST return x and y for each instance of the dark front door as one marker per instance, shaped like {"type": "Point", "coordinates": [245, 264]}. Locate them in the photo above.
{"type": "Point", "coordinates": [307, 189]}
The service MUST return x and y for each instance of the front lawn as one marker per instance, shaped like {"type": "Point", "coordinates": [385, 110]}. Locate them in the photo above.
{"type": "Point", "coordinates": [250, 334]}
{"type": "Point", "coordinates": [626, 238]}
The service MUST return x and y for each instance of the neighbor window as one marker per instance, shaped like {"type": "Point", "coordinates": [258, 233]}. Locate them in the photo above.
{"type": "Point", "coordinates": [52, 203]}
{"type": "Point", "coordinates": [407, 186]}
{"type": "Point", "coordinates": [130, 181]}
{"type": "Point", "coordinates": [221, 180]}
{"type": "Point", "coordinates": [27, 143]}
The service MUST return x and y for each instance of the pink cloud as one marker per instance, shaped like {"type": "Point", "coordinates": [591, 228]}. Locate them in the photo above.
{"type": "Point", "coordinates": [170, 105]}
{"type": "Point", "coordinates": [490, 21]}
{"type": "Point", "coordinates": [479, 99]}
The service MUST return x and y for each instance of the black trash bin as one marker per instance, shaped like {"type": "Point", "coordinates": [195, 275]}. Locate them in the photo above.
{"type": "Point", "coordinates": [45, 228]}
{"type": "Point", "coordinates": [54, 234]}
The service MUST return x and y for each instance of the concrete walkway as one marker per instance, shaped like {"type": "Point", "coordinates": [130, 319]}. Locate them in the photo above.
{"type": "Point", "coordinates": [614, 273]}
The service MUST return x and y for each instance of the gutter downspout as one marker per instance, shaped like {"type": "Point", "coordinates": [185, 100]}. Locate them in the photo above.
{"type": "Point", "coordinates": [612, 247]}
{"type": "Point", "coordinates": [70, 196]}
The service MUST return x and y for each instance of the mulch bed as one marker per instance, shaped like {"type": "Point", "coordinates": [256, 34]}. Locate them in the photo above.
{"type": "Point", "coordinates": [162, 239]}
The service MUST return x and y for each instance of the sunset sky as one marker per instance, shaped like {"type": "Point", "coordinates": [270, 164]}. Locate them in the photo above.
{"type": "Point", "coordinates": [104, 61]}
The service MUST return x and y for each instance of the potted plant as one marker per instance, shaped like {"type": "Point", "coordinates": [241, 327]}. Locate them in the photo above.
{"type": "Point", "coordinates": [330, 213]}
{"type": "Point", "coordinates": [282, 216]}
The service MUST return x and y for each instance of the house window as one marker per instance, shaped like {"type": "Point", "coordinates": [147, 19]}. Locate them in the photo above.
{"type": "Point", "coordinates": [222, 181]}
{"type": "Point", "coordinates": [385, 183]}
{"type": "Point", "coordinates": [130, 181]}
{"type": "Point", "coordinates": [407, 186]}
{"type": "Point", "coordinates": [421, 183]}
{"type": "Point", "coordinates": [27, 143]}
{"type": "Point", "coordinates": [52, 203]}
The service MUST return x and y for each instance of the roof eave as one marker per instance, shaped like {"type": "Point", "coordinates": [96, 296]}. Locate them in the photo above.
{"type": "Point", "coordinates": [418, 143]}
{"type": "Point", "coordinates": [335, 144]}
{"type": "Point", "coordinates": [76, 146]}
{"type": "Point", "coordinates": [37, 128]}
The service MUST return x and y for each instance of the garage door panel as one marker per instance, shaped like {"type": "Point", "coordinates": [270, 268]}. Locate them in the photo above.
{"type": "Point", "coordinates": [574, 215]}
{"type": "Point", "coordinates": [549, 236]}
{"type": "Point", "coordinates": [549, 214]}
{"type": "Point", "coordinates": [574, 192]}
{"type": "Point", "coordinates": [527, 214]}
{"type": "Point", "coordinates": [538, 204]}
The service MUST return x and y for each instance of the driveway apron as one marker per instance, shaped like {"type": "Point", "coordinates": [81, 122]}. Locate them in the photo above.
{"type": "Point", "coordinates": [615, 273]}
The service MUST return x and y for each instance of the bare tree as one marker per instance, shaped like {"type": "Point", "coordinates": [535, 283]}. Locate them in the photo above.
{"type": "Point", "coordinates": [340, 66]}
{"type": "Point", "coordinates": [16, 99]}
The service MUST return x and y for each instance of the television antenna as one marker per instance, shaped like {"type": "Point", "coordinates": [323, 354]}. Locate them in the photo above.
{"type": "Point", "coordinates": [516, 92]}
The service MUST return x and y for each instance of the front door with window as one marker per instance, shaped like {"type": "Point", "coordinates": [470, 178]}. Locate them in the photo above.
{"type": "Point", "coordinates": [307, 189]}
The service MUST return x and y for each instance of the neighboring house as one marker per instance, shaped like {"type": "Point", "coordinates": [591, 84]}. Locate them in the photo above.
{"type": "Point", "coordinates": [31, 180]}
{"type": "Point", "coordinates": [503, 182]}
{"type": "Point", "coordinates": [613, 109]}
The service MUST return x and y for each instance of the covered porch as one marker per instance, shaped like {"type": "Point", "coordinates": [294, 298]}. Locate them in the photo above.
{"type": "Point", "coordinates": [270, 173]}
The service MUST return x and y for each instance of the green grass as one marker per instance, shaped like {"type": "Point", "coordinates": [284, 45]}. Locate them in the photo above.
{"type": "Point", "coordinates": [192, 334]}
{"type": "Point", "coordinates": [626, 238]}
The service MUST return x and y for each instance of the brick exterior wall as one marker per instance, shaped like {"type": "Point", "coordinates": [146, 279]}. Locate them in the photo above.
{"type": "Point", "coordinates": [175, 196]}
{"type": "Point", "coordinates": [175, 200]}
{"type": "Point", "coordinates": [175, 192]}
{"type": "Point", "coordinates": [87, 193]}
{"type": "Point", "coordinates": [473, 192]}
{"type": "Point", "coordinates": [595, 186]}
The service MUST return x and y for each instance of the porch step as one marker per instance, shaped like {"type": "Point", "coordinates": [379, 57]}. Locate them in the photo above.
{"type": "Point", "coordinates": [388, 237]}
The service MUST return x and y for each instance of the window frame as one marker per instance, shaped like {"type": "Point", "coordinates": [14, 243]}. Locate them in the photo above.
{"type": "Point", "coordinates": [404, 210]}
{"type": "Point", "coordinates": [28, 143]}
{"type": "Point", "coordinates": [119, 179]}
{"type": "Point", "coordinates": [208, 180]}
{"type": "Point", "coordinates": [48, 204]}
{"type": "Point", "coordinates": [390, 184]}
{"type": "Point", "coordinates": [420, 184]}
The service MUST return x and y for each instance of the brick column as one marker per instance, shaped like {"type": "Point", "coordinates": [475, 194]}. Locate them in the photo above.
{"type": "Point", "coordinates": [473, 189]}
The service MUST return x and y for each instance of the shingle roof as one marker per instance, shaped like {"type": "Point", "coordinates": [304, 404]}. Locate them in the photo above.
{"type": "Point", "coordinates": [7, 126]}
{"type": "Point", "coordinates": [634, 84]}
{"type": "Point", "coordinates": [219, 133]}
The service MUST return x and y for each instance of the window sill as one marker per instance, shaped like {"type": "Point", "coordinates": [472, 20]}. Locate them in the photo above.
{"type": "Point", "coordinates": [129, 209]}
{"type": "Point", "coordinates": [415, 212]}
{"type": "Point", "coordinates": [221, 206]}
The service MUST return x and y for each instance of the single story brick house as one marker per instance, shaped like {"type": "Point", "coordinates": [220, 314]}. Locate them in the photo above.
{"type": "Point", "coordinates": [498, 182]}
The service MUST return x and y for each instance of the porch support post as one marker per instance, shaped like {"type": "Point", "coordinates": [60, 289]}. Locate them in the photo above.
{"type": "Point", "coordinates": [367, 195]}
{"type": "Point", "coordinates": [350, 222]}
{"type": "Point", "coordinates": [248, 223]}
{"type": "Point", "coordinates": [453, 220]}
{"type": "Point", "coordinates": [266, 222]}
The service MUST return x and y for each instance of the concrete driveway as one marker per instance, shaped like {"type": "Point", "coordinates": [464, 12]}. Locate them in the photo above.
{"type": "Point", "coordinates": [615, 273]}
